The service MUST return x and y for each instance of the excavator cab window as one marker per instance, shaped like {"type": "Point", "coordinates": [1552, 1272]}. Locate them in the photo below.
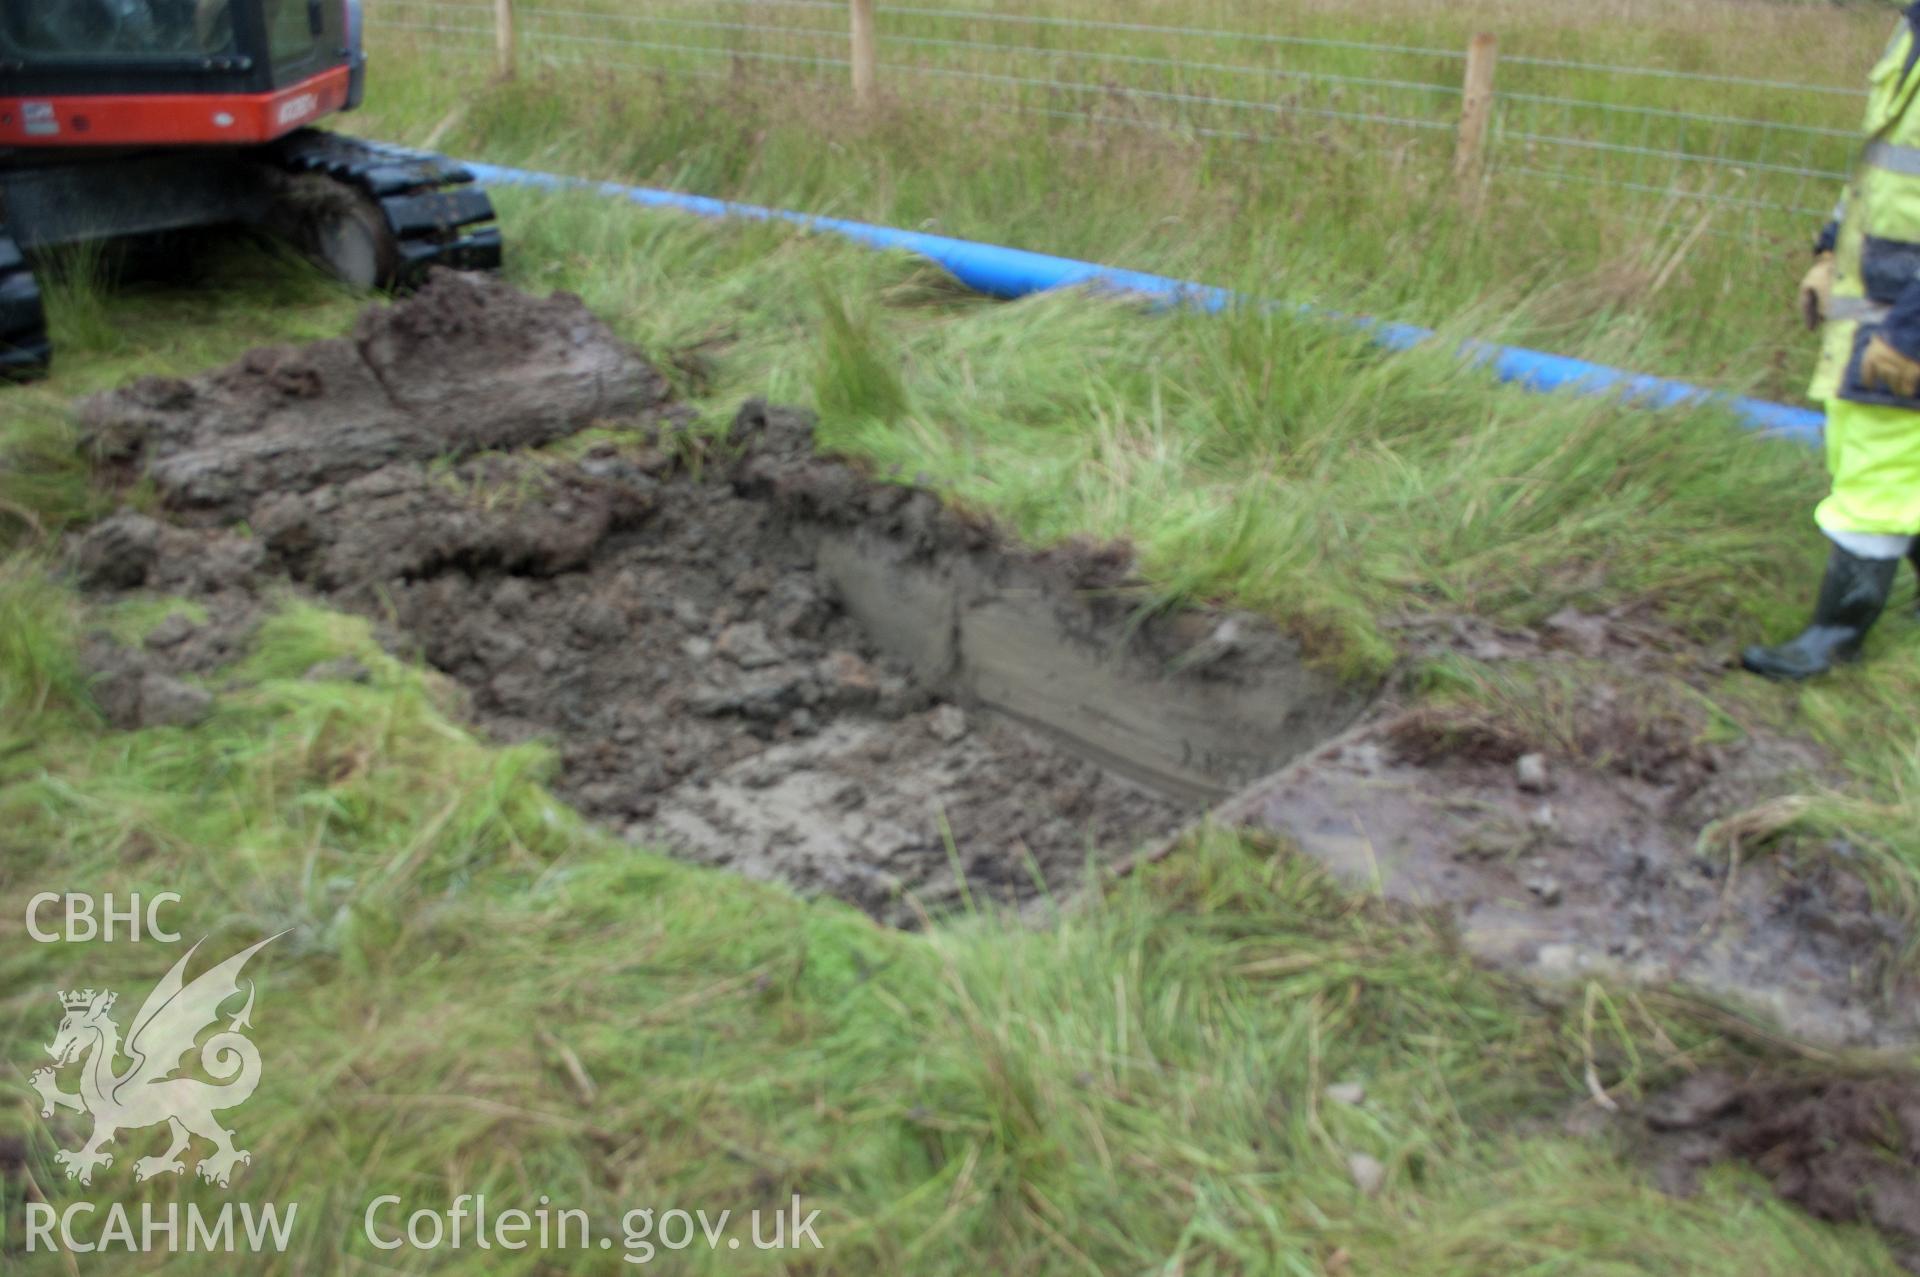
{"type": "Point", "coordinates": [291, 30]}
{"type": "Point", "coordinates": [117, 29]}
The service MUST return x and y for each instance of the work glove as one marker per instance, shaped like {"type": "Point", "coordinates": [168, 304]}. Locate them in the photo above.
{"type": "Point", "coordinates": [1816, 290]}
{"type": "Point", "coordinates": [1884, 368]}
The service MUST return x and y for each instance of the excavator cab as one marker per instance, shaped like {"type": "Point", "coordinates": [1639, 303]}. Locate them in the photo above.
{"type": "Point", "coordinates": [135, 118]}
{"type": "Point", "coordinates": [164, 72]}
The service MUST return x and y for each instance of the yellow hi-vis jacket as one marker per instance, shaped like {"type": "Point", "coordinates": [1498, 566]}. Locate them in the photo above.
{"type": "Point", "coordinates": [1877, 256]}
{"type": "Point", "coordinates": [1873, 435]}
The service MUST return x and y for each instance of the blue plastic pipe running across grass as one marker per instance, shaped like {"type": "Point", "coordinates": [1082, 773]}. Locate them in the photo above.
{"type": "Point", "coordinates": [1014, 272]}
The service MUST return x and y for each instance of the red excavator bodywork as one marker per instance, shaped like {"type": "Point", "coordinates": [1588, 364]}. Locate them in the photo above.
{"type": "Point", "coordinates": [140, 117]}
{"type": "Point", "coordinates": [172, 119]}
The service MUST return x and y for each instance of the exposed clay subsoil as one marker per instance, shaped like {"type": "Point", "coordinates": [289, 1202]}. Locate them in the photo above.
{"type": "Point", "coordinates": [1570, 869]}
{"type": "Point", "coordinates": [1636, 849]}
{"type": "Point", "coordinates": [747, 653]}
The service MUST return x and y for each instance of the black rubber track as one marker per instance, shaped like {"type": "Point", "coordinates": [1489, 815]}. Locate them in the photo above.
{"type": "Point", "coordinates": [25, 351]}
{"type": "Point", "coordinates": [437, 215]}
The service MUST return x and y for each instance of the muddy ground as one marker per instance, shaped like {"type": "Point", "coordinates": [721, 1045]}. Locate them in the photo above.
{"type": "Point", "coordinates": [758, 656]}
{"type": "Point", "coordinates": [1844, 1149]}
{"type": "Point", "coordinates": [1651, 862]}
{"type": "Point", "coordinates": [761, 657]}
{"type": "Point", "coordinates": [744, 652]}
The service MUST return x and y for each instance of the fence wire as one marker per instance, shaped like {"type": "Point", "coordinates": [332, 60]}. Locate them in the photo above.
{"type": "Point", "coordinates": [1772, 150]}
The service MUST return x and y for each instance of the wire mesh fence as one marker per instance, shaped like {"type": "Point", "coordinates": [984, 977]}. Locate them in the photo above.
{"type": "Point", "coordinates": [1771, 152]}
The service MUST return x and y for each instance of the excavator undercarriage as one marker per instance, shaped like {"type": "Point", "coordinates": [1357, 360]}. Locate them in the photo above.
{"type": "Point", "coordinates": [377, 216]}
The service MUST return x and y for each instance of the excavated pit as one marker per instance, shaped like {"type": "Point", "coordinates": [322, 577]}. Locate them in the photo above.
{"type": "Point", "coordinates": [757, 656]}
{"type": "Point", "coordinates": [743, 651]}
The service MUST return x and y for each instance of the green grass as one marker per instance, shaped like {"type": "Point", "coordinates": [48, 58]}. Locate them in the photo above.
{"type": "Point", "coordinates": [108, 331]}
{"type": "Point", "coordinates": [1135, 1084]}
{"type": "Point", "coordinates": [1351, 215]}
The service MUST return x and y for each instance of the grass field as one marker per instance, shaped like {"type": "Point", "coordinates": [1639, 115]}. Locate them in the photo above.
{"type": "Point", "coordinates": [1137, 1085]}
{"type": "Point", "coordinates": [1353, 214]}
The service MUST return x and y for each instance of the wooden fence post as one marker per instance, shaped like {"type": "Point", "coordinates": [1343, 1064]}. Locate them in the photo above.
{"type": "Point", "coordinates": [866, 56]}
{"type": "Point", "coordinates": [503, 42]}
{"type": "Point", "coordinates": [1476, 109]}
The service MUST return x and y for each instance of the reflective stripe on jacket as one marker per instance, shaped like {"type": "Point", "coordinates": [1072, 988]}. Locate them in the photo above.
{"type": "Point", "coordinates": [1877, 257]}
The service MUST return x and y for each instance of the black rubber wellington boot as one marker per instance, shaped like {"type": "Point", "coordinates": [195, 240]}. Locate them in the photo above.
{"type": "Point", "coordinates": [1913, 556]}
{"type": "Point", "coordinates": [1852, 596]}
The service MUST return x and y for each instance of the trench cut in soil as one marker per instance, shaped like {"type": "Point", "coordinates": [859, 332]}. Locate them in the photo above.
{"type": "Point", "coordinates": [745, 652]}
{"type": "Point", "coordinates": [755, 655]}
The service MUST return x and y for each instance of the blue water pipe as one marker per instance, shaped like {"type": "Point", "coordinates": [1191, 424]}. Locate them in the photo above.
{"type": "Point", "coordinates": [1015, 272]}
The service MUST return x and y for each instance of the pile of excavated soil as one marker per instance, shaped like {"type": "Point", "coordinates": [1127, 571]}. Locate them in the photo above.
{"type": "Point", "coordinates": [466, 365]}
{"type": "Point", "coordinates": [743, 651]}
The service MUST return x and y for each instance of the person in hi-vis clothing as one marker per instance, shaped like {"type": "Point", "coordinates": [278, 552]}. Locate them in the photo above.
{"type": "Point", "coordinates": [1864, 289]}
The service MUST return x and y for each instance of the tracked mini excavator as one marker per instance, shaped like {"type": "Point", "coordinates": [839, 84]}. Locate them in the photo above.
{"type": "Point", "coordinates": [139, 118]}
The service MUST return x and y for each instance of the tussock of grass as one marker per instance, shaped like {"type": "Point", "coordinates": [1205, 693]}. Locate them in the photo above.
{"type": "Point", "coordinates": [40, 677]}
{"type": "Point", "coordinates": [43, 479]}
{"type": "Point", "coordinates": [854, 377]}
